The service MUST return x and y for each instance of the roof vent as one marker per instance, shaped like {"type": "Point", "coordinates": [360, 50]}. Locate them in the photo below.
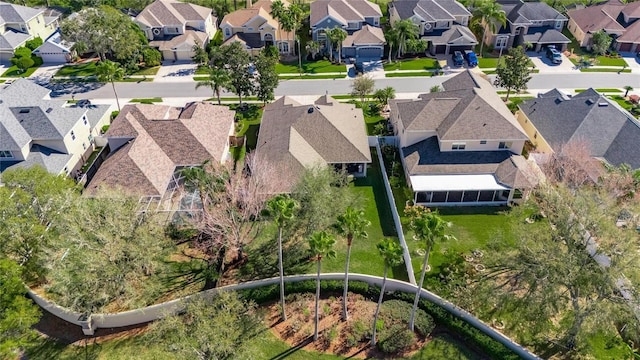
{"type": "Point", "coordinates": [24, 111]}
{"type": "Point", "coordinates": [49, 110]}
{"type": "Point", "coordinates": [310, 110]}
{"type": "Point", "coordinates": [603, 104]}
{"type": "Point", "coordinates": [590, 102]}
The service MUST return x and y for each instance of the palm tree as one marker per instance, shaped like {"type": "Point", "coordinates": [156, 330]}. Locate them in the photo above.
{"type": "Point", "coordinates": [282, 210]}
{"type": "Point", "coordinates": [320, 245]}
{"type": "Point", "coordinates": [405, 30]}
{"type": "Point", "coordinates": [627, 89]}
{"type": "Point", "coordinates": [277, 10]}
{"type": "Point", "coordinates": [313, 47]}
{"type": "Point", "coordinates": [297, 14]}
{"type": "Point", "coordinates": [218, 80]}
{"type": "Point", "coordinates": [287, 24]}
{"type": "Point", "coordinates": [352, 225]}
{"type": "Point", "coordinates": [490, 13]}
{"type": "Point", "coordinates": [337, 36]}
{"type": "Point", "coordinates": [385, 94]}
{"type": "Point", "coordinates": [391, 252]}
{"type": "Point", "coordinates": [427, 228]}
{"type": "Point", "coordinates": [109, 71]}
{"type": "Point", "coordinates": [392, 40]}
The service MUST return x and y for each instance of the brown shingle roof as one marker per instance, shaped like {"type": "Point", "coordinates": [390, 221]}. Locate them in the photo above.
{"type": "Point", "coordinates": [186, 40]}
{"type": "Point", "coordinates": [164, 137]}
{"type": "Point", "coordinates": [171, 12]}
{"type": "Point", "coordinates": [368, 35]}
{"type": "Point", "coordinates": [598, 17]}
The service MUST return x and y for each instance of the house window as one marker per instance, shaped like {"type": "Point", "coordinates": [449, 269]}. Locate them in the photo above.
{"type": "Point", "coordinates": [84, 120]}
{"type": "Point", "coordinates": [250, 29]}
{"type": "Point", "coordinates": [84, 146]}
{"type": "Point", "coordinates": [505, 145]}
{"type": "Point", "coordinates": [227, 32]}
{"type": "Point", "coordinates": [558, 25]}
{"type": "Point", "coordinates": [483, 142]}
{"type": "Point", "coordinates": [73, 135]}
{"type": "Point", "coordinates": [90, 138]}
{"type": "Point", "coordinates": [501, 41]}
{"type": "Point", "coordinates": [353, 25]}
{"type": "Point", "coordinates": [5, 154]}
{"type": "Point", "coordinates": [517, 194]}
{"type": "Point", "coordinates": [283, 46]}
{"type": "Point", "coordinates": [458, 146]}
{"type": "Point", "coordinates": [518, 30]}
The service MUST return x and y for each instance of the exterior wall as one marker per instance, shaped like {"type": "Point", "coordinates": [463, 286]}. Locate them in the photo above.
{"type": "Point", "coordinates": [176, 29]}
{"type": "Point", "coordinates": [475, 145]}
{"type": "Point", "coordinates": [408, 138]}
{"type": "Point", "coordinates": [580, 35]}
{"type": "Point", "coordinates": [462, 20]}
{"type": "Point", "coordinates": [38, 28]}
{"type": "Point", "coordinates": [210, 26]}
{"type": "Point", "coordinates": [329, 23]}
{"type": "Point", "coordinates": [536, 139]}
{"type": "Point", "coordinates": [393, 16]}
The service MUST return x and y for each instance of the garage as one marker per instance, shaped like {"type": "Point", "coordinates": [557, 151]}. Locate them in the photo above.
{"type": "Point", "coordinates": [5, 56]}
{"type": "Point", "coordinates": [460, 48]}
{"type": "Point", "coordinates": [52, 53]}
{"type": "Point", "coordinates": [370, 52]}
{"type": "Point", "coordinates": [625, 46]}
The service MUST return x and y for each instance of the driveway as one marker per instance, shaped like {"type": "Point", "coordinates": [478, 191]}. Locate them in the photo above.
{"type": "Point", "coordinates": [546, 66]}
{"type": "Point", "coordinates": [176, 72]}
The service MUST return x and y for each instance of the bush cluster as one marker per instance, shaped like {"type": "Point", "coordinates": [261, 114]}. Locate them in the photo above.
{"type": "Point", "coordinates": [399, 338]}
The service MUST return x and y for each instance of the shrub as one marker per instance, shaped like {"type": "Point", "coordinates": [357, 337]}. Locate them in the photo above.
{"type": "Point", "coordinates": [152, 57]}
{"type": "Point", "coordinates": [114, 114]}
{"type": "Point", "coordinates": [395, 182]}
{"type": "Point", "coordinates": [37, 61]}
{"type": "Point", "coordinates": [395, 312]}
{"type": "Point", "coordinates": [34, 43]}
{"type": "Point", "coordinates": [22, 63]}
{"type": "Point", "coordinates": [22, 52]}
{"type": "Point", "coordinates": [399, 338]}
{"type": "Point", "coordinates": [104, 129]}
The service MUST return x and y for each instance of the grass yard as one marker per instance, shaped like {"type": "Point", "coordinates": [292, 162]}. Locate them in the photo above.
{"type": "Point", "coordinates": [610, 61]}
{"type": "Point", "coordinates": [622, 102]}
{"type": "Point", "coordinates": [444, 347]}
{"type": "Point", "coordinates": [310, 67]}
{"type": "Point", "coordinates": [249, 123]}
{"type": "Point", "coordinates": [607, 70]}
{"type": "Point", "coordinates": [147, 71]}
{"type": "Point", "coordinates": [14, 72]}
{"type": "Point", "coordinates": [409, 74]}
{"type": "Point", "coordinates": [412, 64]}
{"type": "Point", "coordinates": [86, 69]}
{"type": "Point", "coordinates": [148, 100]}
{"type": "Point", "coordinates": [602, 90]}
{"type": "Point", "coordinates": [488, 62]}
{"type": "Point", "coordinates": [311, 77]}
{"type": "Point", "coordinates": [364, 256]}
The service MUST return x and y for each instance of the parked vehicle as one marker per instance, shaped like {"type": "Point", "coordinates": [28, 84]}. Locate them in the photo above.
{"type": "Point", "coordinates": [458, 60]}
{"type": "Point", "coordinates": [554, 55]}
{"type": "Point", "coordinates": [472, 59]}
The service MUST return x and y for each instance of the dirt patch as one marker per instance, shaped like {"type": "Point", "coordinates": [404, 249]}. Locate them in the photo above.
{"type": "Point", "coordinates": [335, 336]}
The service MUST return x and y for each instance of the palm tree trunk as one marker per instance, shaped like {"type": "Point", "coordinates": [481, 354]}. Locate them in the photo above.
{"type": "Point", "coordinates": [390, 51]}
{"type": "Point", "coordinates": [340, 53]}
{"type": "Point", "coordinates": [218, 96]}
{"type": "Point", "coordinates": [315, 332]}
{"type": "Point", "coordinates": [484, 33]}
{"type": "Point", "coordinates": [299, 54]}
{"type": "Point", "coordinates": [284, 313]}
{"type": "Point", "coordinates": [418, 288]}
{"type": "Point", "coordinates": [375, 317]}
{"type": "Point", "coordinates": [508, 92]}
{"type": "Point", "coordinates": [113, 85]}
{"type": "Point", "coordinates": [345, 314]}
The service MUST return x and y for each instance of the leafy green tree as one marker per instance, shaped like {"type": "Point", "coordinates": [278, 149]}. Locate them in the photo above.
{"type": "Point", "coordinates": [405, 30]}
{"type": "Point", "coordinates": [218, 80]}
{"type": "Point", "coordinates": [17, 313]}
{"type": "Point", "coordinates": [514, 72]}
{"type": "Point", "coordinates": [416, 46]}
{"type": "Point", "coordinates": [22, 63]}
{"type": "Point", "coordinates": [385, 94]}
{"type": "Point", "coordinates": [151, 57]}
{"type": "Point", "coordinates": [320, 246]}
{"type": "Point", "coordinates": [217, 329]}
{"type": "Point", "coordinates": [108, 253]}
{"type": "Point", "coordinates": [600, 42]}
{"type": "Point", "coordinates": [351, 225]}
{"type": "Point", "coordinates": [336, 36]}
{"type": "Point", "coordinates": [106, 31]}
{"type": "Point", "coordinates": [200, 55]}
{"type": "Point", "coordinates": [33, 43]}
{"type": "Point", "coordinates": [282, 210]}
{"type": "Point", "coordinates": [391, 253]}
{"type": "Point", "coordinates": [236, 60]}
{"type": "Point", "coordinates": [220, 8]}
{"type": "Point", "coordinates": [488, 14]}
{"type": "Point", "coordinates": [291, 22]}
{"type": "Point", "coordinates": [428, 227]}
{"type": "Point", "coordinates": [435, 88]}
{"type": "Point", "coordinates": [109, 71]}
{"type": "Point", "coordinates": [267, 78]}
{"type": "Point", "coordinates": [362, 86]}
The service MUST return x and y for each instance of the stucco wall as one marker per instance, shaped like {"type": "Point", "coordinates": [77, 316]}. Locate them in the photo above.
{"type": "Point", "coordinates": [536, 139]}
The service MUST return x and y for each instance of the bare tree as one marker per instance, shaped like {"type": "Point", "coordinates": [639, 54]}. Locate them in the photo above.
{"type": "Point", "coordinates": [573, 165]}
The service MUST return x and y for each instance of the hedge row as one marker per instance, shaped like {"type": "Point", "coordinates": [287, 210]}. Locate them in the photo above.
{"type": "Point", "coordinates": [467, 332]}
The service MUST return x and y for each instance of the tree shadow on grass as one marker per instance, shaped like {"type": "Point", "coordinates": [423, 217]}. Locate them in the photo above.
{"type": "Point", "coordinates": [184, 274]}
{"type": "Point", "coordinates": [285, 354]}
{"type": "Point", "coordinates": [262, 260]}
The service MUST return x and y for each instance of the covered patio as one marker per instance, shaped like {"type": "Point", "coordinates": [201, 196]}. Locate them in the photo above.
{"type": "Point", "coordinates": [467, 190]}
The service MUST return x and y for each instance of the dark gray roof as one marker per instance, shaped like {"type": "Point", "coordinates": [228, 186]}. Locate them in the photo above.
{"type": "Point", "coordinates": [36, 123]}
{"type": "Point", "coordinates": [519, 12]}
{"type": "Point", "coordinates": [456, 35]}
{"type": "Point", "coordinates": [610, 132]}
{"type": "Point", "coordinates": [468, 109]}
{"type": "Point", "coordinates": [12, 13]}
{"type": "Point", "coordinates": [545, 35]}
{"type": "Point", "coordinates": [430, 10]}
{"type": "Point", "coordinates": [252, 40]}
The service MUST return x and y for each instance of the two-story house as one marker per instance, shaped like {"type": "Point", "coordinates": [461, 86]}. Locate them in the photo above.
{"type": "Point", "coordinates": [353, 16]}
{"type": "Point", "coordinates": [38, 130]}
{"type": "Point", "coordinates": [18, 24]}
{"type": "Point", "coordinates": [534, 24]}
{"type": "Point", "coordinates": [462, 146]}
{"type": "Point", "coordinates": [175, 27]}
{"type": "Point", "coordinates": [619, 20]}
{"type": "Point", "coordinates": [442, 23]}
{"type": "Point", "coordinates": [255, 28]}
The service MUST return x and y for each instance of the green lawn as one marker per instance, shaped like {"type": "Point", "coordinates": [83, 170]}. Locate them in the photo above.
{"type": "Point", "coordinates": [147, 71]}
{"type": "Point", "coordinates": [444, 347]}
{"type": "Point", "coordinates": [364, 256]}
{"type": "Point", "coordinates": [311, 67]}
{"type": "Point", "coordinates": [412, 64]}
{"type": "Point", "coordinates": [609, 61]}
{"type": "Point", "coordinates": [86, 69]}
{"type": "Point", "coordinates": [148, 100]}
{"type": "Point", "coordinates": [622, 102]}
{"type": "Point", "coordinates": [488, 62]}
{"type": "Point", "coordinates": [601, 90]}
{"type": "Point", "coordinates": [14, 72]}
{"type": "Point", "coordinates": [311, 77]}
{"type": "Point", "coordinates": [249, 123]}
{"type": "Point", "coordinates": [608, 70]}
{"type": "Point", "coordinates": [409, 74]}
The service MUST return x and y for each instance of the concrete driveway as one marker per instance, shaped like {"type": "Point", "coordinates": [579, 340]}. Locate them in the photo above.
{"type": "Point", "coordinates": [546, 66]}
{"type": "Point", "coordinates": [176, 71]}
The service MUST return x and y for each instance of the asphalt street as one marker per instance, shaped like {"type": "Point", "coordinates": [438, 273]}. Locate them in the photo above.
{"type": "Point", "coordinates": [332, 87]}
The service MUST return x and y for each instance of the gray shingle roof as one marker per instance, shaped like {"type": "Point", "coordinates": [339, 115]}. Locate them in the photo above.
{"type": "Point", "coordinates": [456, 35]}
{"type": "Point", "coordinates": [544, 35]}
{"type": "Point", "coordinates": [171, 12]}
{"type": "Point", "coordinates": [12, 39]}
{"type": "Point", "coordinates": [430, 10]}
{"type": "Point", "coordinates": [519, 12]}
{"type": "Point", "coordinates": [611, 133]}
{"type": "Point", "coordinates": [12, 13]}
{"type": "Point", "coordinates": [343, 10]}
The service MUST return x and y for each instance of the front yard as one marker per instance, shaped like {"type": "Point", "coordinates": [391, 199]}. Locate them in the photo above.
{"type": "Point", "coordinates": [86, 69]}
{"type": "Point", "coordinates": [13, 71]}
{"type": "Point", "coordinates": [311, 67]}
{"type": "Point", "coordinates": [412, 64]}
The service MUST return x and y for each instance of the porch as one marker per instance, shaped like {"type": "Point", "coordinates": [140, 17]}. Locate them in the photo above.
{"type": "Point", "coordinates": [459, 190]}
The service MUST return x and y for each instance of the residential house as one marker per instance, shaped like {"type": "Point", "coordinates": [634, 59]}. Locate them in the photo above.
{"type": "Point", "coordinates": [363, 43]}
{"type": "Point", "coordinates": [149, 144]}
{"type": "Point", "coordinates": [55, 50]}
{"type": "Point", "coordinates": [462, 146]}
{"type": "Point", "coordinates": [294, 136]}
{"type": "Point", "coordinates": [38, 130]}
{"type": "Point", "coordinates": [442, 23]}
{"type": "Point", "coordinates": [175, 27]}
{"type": "Point", "coordinates": [554, 119]}
{"type": "Point", "coordinates": [533, 24]}
{"type": "Point", "coordinates": [255, 28]}
{"type": "Point", "coordinates": [614, 17]}
{"type": "Point", "coordinates": [19, 24]}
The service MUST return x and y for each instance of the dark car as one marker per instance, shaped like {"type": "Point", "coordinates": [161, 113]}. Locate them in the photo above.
{"type": "Point", "coordinates": [458, 60]}
{"type": "Point", "coordinates": [554, 55]}
{"type": "Point", "coordinates": [471, 58]}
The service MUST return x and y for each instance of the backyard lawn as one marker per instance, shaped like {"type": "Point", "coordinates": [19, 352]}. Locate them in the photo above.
{"type": "Point", "coordinates": [412, 64]}
{"type": "Point", "coordinates": [86, 69]}
{"type": "Point", "coordinates": [311, 67]}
